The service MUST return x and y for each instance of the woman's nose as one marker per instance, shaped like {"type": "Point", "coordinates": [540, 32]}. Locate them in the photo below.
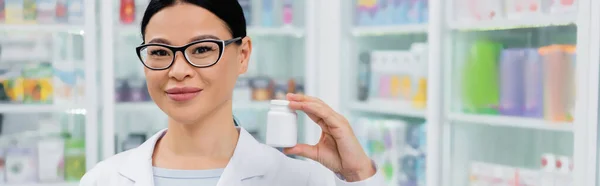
{"type": "Point", "coordinates": [180, 69]}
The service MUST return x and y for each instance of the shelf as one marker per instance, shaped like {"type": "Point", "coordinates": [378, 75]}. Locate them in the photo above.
{"type": "Point", "coordinates": [44, 184]}
{"type": "Point", "coordinates": [388, 107]}
{"type": "Point", "coordinates": [280, 31]}
{"type": "Point", "coordinates": [505, 24]}
{"type": "Point", "coordinates": [389, 30]}
{"type": "Point", "coordinates": [508, 121]}
{"type": "Point", "coordinates": [40, 108]}
{"type": "Point", "coordinates": [42, 27]}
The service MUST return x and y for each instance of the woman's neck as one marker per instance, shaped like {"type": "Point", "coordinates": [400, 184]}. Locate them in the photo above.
{"type": "Point", "coordinates": [211, 140]}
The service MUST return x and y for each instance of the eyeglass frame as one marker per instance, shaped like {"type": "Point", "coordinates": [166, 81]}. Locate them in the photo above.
{"type": "Point", "coordinates": [222, 44]}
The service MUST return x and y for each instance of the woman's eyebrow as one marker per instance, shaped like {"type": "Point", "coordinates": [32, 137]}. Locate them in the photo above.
{"type": "Point", "coordinates": [202, 37]}
{"type": "Point", "coordinates": [160, 41]}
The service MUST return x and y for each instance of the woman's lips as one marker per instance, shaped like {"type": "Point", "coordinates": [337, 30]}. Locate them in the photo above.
{"type": "Point", "coordinates": [183, 93]}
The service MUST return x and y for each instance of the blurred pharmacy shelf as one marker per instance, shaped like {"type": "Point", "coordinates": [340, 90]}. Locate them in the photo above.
{"type": "Point", "coordinates": [151, 106]}
{"type": "Point", "coordinates": [32, 108]}
{"type": "Point", "coordinates": [508, 121]}
{"type": "Point", "coordinates": [506, 24]}
{"type": "Point", "coordinates": [139, 106]}
{"type": "Point", "coordinates": [389, 30]}
{"type": "Point", "coordinates": [389, 108]}
{"type": "Point", "coordinates": [255, 105]}
{"type": "Point", "coordinates": [42, 27]}
{"type": "Point", "coordinates": [45, 184]}
{"type": "Point", "coordinates": [278, 31]}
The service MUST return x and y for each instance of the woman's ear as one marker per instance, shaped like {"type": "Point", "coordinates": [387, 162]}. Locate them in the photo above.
{"type": "Point", "coordinates": [245, 52]}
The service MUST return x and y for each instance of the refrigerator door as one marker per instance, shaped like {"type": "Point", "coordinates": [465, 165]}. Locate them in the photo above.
{"type": "Point", "coordinates": [511, 92]}
{"type": "Point", "coordinates": [48, 105]}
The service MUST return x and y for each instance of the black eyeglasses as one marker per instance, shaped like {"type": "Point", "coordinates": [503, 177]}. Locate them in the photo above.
{"type": "Point", "coordinates": [201, 54]}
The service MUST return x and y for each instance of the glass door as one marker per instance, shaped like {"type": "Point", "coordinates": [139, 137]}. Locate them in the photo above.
{"type": "Point", "coordinates": [510, 91]}
{"type": "Point", "coordinates": [385, 91]}
{"type": "Point", "coordinates": [276, 67]}
{"type": "Point", "coordinates": [48, 108]}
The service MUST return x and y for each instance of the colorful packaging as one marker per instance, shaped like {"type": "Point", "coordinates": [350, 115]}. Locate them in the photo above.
{"type": "Point", "coordinates": [13, 85]}
{"type": "Point", "coordinates": [534, 85]}
{"type": "Point", "coordinates": [518, 9]}
{"type": "Point", "coordinates": [420, 61]}
{"type": "Point", "coordinates": [61, 11]}
{"type": "Point", "coordinates": [480, 87]}
{"type": "Point", "coordinates": [127, 11]}
{"type": "Point", "coordinates": [21, 165]}
{"type": "Point", "coordinates": [29, 11]}
{"type": "Point", "coordinates": [268, 13]}
{"type": "Point", "coordinates": [511, 81]}
{"type": "Point", "coordinates": [2, 12]}
{"type": "Point", "coordinates": [280, 90]}
{"type": "Point", "coordinates": [364, 75]}
{"type": "Point", "coordinates": [46, 11]}
{"type": "Point", "coordinates": [38, 87]}
{"type": "Point", "coordinates": [557, 72]}
{"type": "Point", "coordinates": [386, 74]}
{"type": "Point", "coordinates": [74, 159]}
{"type": "Point", "coordinates": [137, 90]}
{"type": "Point", "coordinates": [365, 12]}
{"type": "Point", "coordinates": [14, 12]}
{"type": "Point", "coordinates": [262, 89]}
{"type": "Point", "coordinates": [64, 83]}
{"type": "Point", "coordinates": [288, 12]}
{"type": "Point", "coordinates": [75, 11]}
{"type": "Point", "coordinates": [563, 6]}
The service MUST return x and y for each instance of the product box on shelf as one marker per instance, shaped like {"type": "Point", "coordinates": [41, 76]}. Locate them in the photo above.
{"type": "Point", "coordinates": [51, 160]}
{"type": "Point", "coordinates": [127, 11]}
{"type": "Point", "coordinates": [21, 164]}
{"type": "Point", "coordinates": [2, 12]}
{"type": "Point", "coordinates": [398, 76]}
{"type": "Point", "coordinates": [478, 10]}
{"type": "Point", "coordinates": [131, 90]}
{"type": "Point", "coordinates": [38, 85]}
{"type": "Point", "coordinates": [29, 11]}
{"type": "Point", "coordinates": [395, 145]}
{"type": "Point", "coordinates": [563, 6]}
{"type": "Point", "coordinates": [13, 10]}
{"type": "Point", "coordinates": [519, 9]}
{"type": "Point", "coordinates": [391, 12]}
{"type": "Point", "coordinates": [46, 11]}
{"type": "Point", "coordinates": [75, 11]}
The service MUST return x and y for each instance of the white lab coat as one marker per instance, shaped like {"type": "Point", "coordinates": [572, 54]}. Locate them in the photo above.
{"type": "Point", "coordinates": [252, 164]}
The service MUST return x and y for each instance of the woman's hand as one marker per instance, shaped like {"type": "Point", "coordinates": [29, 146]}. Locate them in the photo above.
{"type": "Point", "coordinates": [338, 149]}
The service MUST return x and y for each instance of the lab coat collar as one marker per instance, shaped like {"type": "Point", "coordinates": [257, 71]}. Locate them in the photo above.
{"type": "Point", "coordinates": [247, 161]}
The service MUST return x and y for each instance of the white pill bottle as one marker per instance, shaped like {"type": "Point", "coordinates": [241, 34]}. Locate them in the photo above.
{"type": "Point", "coordinates": [282, 127]}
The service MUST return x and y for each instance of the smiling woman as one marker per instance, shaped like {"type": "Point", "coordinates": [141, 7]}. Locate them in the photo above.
{"type": "Point", "coordinates": [192, 55]}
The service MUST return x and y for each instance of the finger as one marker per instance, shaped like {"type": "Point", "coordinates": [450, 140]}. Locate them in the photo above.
{"type": "Point", "coordinates": [303, 98]}
{"type": "Point", "coordinates": [304, 150]}
{"type": "Point", "coordinates": [318, 110]}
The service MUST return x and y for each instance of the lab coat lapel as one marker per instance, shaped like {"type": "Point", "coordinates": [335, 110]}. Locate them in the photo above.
{"type": "Point", "coordinates": [138, 167]}
{"type": "Point", "coordinates": [248, 161]}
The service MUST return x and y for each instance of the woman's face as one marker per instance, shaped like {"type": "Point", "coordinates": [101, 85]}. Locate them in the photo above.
{"type": "Point", "coordinates": [187, 93]}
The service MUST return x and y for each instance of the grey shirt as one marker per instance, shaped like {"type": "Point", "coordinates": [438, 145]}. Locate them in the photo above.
{"type": "Point", "coordinates": [170, 177]}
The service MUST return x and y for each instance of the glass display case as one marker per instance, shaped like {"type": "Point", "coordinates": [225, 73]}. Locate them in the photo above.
{"type": "Point", "coordinates": [48, 105]}
{"type": "Point", "coordinates": [276, 67]}
{"type": "Point", "coordinates": [385, 52]}
{"type": "Point", "coordinates": [510, 90]}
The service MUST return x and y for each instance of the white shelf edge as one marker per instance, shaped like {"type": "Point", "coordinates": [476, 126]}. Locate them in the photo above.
{"type": "Point", "coordinates": [389, 30]}
{"type": "Point", "coordinates": [36, 108]}
{"type": "Point", "coordinates": [390, 108]}
{"type": "Point", "coordinates": [505, 24]}
{"type": "Point", "coordinates": [509, 121]}
{"type": "Point", "coordinates": [45, 184]}
{"type": "Point", "coordinates": [42, 27]}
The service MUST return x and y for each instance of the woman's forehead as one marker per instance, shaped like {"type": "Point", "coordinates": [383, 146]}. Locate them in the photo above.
{"type": "Point", "coordinates": [181, 23]}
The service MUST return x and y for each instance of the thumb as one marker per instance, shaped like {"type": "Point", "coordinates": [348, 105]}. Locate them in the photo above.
{"type": "Point", "coordinates": [304, 150]}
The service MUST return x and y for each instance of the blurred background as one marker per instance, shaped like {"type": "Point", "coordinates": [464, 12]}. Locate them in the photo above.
{"type": "Point", "coordinates": [439, 92]}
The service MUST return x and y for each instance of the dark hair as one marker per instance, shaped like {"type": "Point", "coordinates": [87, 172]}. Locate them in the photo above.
{"type": "Point", "coordinates": [230, 11]}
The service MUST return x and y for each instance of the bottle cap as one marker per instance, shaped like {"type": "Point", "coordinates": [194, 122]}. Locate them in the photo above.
{"type": "Point", "coordinates": [280, 102]}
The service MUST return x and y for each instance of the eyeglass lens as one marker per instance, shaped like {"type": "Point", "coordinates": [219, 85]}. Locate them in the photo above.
{"type": "Point", "coordinates": [199, 54]}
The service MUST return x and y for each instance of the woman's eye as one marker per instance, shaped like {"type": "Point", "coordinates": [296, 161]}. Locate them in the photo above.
{"type": "Point", "coordinates": [159, 53]}
{"type": "Point", "coordinates": [202, 49]}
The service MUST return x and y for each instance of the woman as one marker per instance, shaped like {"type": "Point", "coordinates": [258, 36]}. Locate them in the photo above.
{"type": "Point", "coordinates": [193, 52]}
